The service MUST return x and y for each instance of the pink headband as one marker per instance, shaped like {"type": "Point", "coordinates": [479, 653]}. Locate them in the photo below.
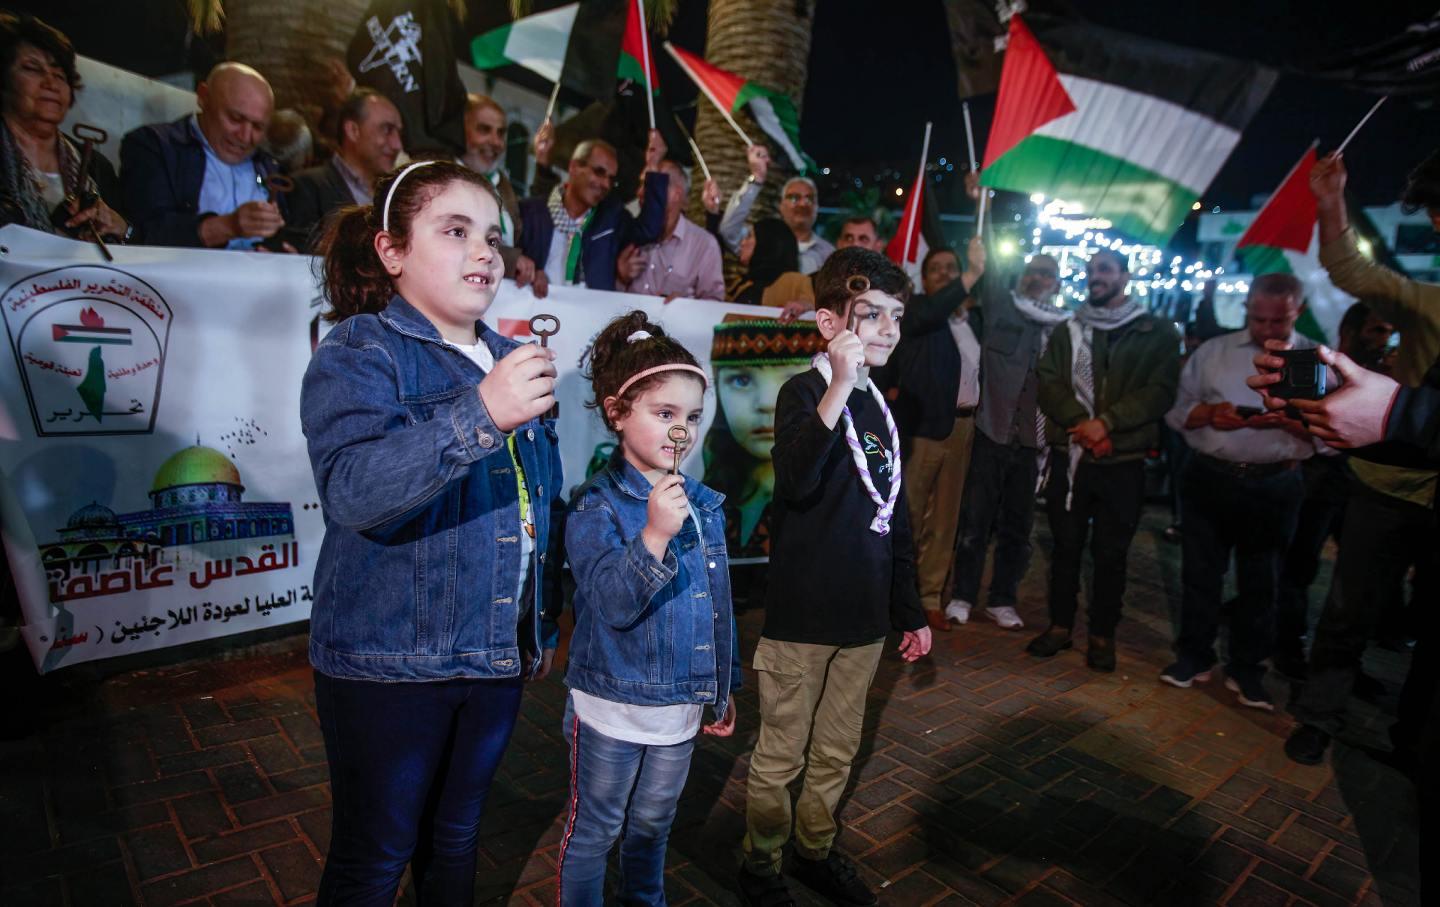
{"type": "Point", "coordinates": [674, 367]}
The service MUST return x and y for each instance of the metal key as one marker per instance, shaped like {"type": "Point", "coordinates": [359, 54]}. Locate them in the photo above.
{"type": "Point", "coordinates": [546, 326]}
{"type": "Point", "coordinates": [679, 437]}
{"type": "Point", "coordinates": [89, 136]}
{"type": "Point", "coordinates": [276, 184]}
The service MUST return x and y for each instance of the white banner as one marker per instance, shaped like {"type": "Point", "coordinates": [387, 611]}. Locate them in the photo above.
{"type": "Point", "coordinates": [154, 482]}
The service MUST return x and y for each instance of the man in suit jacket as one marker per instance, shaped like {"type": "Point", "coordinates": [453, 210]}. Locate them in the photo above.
{"type": "Point", "coordinates": [200, 181]}
{"type": "Point", "coordinates": [368, 140]}
{"type": "Point", "coordinates": [582, 210]}
{"type": "Point", "coordinates": [936, 378]}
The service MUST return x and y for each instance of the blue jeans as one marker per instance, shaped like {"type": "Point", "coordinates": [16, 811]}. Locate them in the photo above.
{"type": "Point", "coordinates": [410, 765]}
{"type": "Point", "coordinates": [618, 790]}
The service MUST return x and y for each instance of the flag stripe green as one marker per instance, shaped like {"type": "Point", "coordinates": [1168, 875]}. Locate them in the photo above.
{"type": "Point", "coordinates": [1139, 202]}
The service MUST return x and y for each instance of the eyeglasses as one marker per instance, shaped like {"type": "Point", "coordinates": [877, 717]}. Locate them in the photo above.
{"type": "Point", "coordinates": [795, 198]}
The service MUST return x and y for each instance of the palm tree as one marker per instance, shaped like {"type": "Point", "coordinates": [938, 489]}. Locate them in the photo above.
{"type": "Point", "coordinates": [292, 43]}
{"type": "Point", "coordinates": [767, 41]}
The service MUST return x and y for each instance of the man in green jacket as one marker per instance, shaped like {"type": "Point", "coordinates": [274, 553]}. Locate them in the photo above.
{"type": "Point", "coordinates": [1106, 381]}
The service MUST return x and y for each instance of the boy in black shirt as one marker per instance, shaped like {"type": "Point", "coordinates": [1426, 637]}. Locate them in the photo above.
{"type": "Point", "coordinates": [842, 576]}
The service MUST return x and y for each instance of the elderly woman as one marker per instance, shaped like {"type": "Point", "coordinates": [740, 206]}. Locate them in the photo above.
{"type": "Point", "coordinates": [40, 166]}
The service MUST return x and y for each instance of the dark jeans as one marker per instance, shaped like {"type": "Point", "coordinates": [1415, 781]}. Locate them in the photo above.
{"type": "Point", "coordinates": [1383, 536]}
{"type": "Point", "coordinates": [1327, 486]}
{"type": "Point", "coordinates": [1111, 496]}
{"type": "Point", "coordinates": [1254, 518]}
{"type": "Point", "coordinates": [618, 791]}
{"type": "Point", "coordinates": [410, 765]}
{"type": "Point", "coordinates": [999, 496]}
{"type": "Point", "coordinates": [1177, 456]}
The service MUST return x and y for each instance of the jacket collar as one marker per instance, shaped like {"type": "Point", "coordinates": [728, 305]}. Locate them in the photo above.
{"type": "Point", "coordinates": [403, 317]}
{"type": "Point", "coordinates": [629, 480]}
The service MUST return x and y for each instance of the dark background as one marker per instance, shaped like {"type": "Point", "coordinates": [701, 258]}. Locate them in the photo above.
{"type": "Point", "coordinates": [879, 70]}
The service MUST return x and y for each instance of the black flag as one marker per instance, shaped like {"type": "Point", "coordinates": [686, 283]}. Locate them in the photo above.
{"type": "Point", "coordinates": [405, 49]}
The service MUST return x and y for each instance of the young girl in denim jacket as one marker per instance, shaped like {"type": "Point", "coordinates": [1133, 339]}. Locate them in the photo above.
{"type": "Point", "coordinates": [654, 641]}
{"type": "Point", "coordinates": [436, 475]}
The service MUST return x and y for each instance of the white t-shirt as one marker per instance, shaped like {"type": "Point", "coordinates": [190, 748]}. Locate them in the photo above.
{"type": "Point", "coordinates": [53, 190]}
{"type": "Point", "coordinates": [969, 394]}
{"type": "Point", "coordinates": [480, 355]}
{"type": "Point", "coordinates": [648, 725]}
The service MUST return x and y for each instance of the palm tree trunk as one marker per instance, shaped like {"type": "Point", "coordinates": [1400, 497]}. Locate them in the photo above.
{"type": "Point", "coordinates": [767, 41]}
{"type": "Point", "coordinates": [289, 41]}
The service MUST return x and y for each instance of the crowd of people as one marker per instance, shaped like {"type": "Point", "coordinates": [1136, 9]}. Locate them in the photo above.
{"type": "Point", "coordinates": [990, 393]}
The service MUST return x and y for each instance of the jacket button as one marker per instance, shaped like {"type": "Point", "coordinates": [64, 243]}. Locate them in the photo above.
{"type": "Point", "coordinates": [542, 557]}
{"type": "Point", "coordinates": [486, 441]}
{"type": "Point", "coordinates": [539, 491]}
{"type": "Point", "coordinates": [529, 434]}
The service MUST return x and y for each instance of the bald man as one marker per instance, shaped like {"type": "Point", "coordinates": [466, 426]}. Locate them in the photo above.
{"type": "Point", "coordinates": [200, 181]}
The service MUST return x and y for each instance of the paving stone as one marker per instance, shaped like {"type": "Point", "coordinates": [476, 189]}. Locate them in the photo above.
{"type": "Point", "coordinates": [197, 883]}
{"type": "Point", "coordinates": [156, 851]}
{"type": "Point", "coordinates": [244, 841]}
{"type": "Point", "coordinates": [294, 868]}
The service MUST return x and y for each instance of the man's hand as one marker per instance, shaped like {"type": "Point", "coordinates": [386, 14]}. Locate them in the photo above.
{"type": "Point", "coordinates": [1277, 419]}
{"type": "Point", "coordinates": [725, 726]}
{"type": "Point", "coordinates": [758, 157]}
{"type": "Point", "coordinates": [257, 219]}
{"type": "Point", "coordinates": [1327, 181]}
{"type": "Point", "coordinates": [524, 271]}
{"type": "Point", "coordinates": [710, 196]}
{"type": "Point", "coordinates": [1103, 449]}
{"type": "Point", "coordinates": [102, 215]}
{"type": "Point", "coordinates": [1354, 415]}
{"type": "Point", "coordinates": [655, 151]}
{"type": "Point", "coordinates": [1225, 417]}
{"type": "Point", "coordinates": [521, 387]}
{"type": "Point", "coordinates": [629, 265]}
{"type": "Point", "coordinates": [975, 256]}
{"type": "Point", "coordinates": [794, 309]}
{"type": "Point", "coordinates": [972, 185]}
{"type": "Point", "coordinates": [1090, 433]}
{"type": "Point", "coordinates": [915, 644]}
{"type": "Point", "coordinates": [543, 143]}
{"type": "Point", "coordinates": [541, 286]}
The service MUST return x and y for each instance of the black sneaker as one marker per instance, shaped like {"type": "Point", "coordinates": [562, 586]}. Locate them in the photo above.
{"type": "Point", "coordinates": [1052, 642]}
{"type": "Point", "coordinates": [1307, 745]}
{"type": "Point", "coordinates": [1291, 664]}
{"type": "Point", "coordinates": [764, 891]}
{"type": "Point", "coordinates": [834, 878]}
{"type": "Point", "coordinates": [1100, 654]}
{"type": "Point", "coordinates": [1250, 692]}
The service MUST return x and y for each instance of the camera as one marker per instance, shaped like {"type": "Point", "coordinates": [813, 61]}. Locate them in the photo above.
{"type": "Point", "coordinates": [1302, 377]}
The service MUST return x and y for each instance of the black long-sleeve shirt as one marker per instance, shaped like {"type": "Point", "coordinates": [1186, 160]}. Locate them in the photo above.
{"type": "Point", "coordinates": [834, 581]}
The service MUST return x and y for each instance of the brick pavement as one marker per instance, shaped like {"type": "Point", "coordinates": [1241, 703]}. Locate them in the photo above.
{"type": "Point", "coordinates": [985, 778]}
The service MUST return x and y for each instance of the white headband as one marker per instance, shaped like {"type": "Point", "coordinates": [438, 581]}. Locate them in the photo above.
{"type": "Point", "coordinates": [385, 211]}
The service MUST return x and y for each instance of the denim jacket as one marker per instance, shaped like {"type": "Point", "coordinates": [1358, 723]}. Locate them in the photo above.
{"type": "Point", "coordinates": [417, 576]}
{"type": "Point", "coordinates": [647, 632]}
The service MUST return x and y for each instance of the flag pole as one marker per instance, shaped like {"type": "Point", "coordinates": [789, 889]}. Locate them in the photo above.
{"type": "Point", "coordinates": [1363, 120]}
{"type": "Point", "coordinates": [713, 100]}
{"type": "Point", "coordinates": [550, 108]}
{"type": "Point", "coordinates": [694, 148]}
{"type": "Point", "coordinates": [919, 199]}
{"type": "Point", "coordinates": [645, 53]}
{"type": "Point", "coordinates": [974, 168]}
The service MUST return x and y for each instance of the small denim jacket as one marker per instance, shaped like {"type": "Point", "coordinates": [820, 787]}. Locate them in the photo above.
{"type": "Point", "coordinates": [417, 575]}
{"type": "Point", "coordinates": [647, 632]}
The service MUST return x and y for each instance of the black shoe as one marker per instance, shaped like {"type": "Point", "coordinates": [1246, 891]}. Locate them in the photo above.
{"type": "Point", "coordinates": [1368, 689]}
{"type": "Point", "coordinates": [1052, 642]}
{"type": "Point", "coordinates": [834, 878]}
{"type": "Point", "coordinates": [1307, 745]}
{"type": "Point", "coordinates": [764, 891]}
{"type": "Point", "coordinates": [1249, 691]}
{"type": "Point", "coordinates": [1100, 654]}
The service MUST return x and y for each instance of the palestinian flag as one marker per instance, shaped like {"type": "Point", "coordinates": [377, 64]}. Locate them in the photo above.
{"type": "Point", "coordinates": [911, 231]}
{"type": "Point", "coordinates": [635, 50]}
{"type": "Point", "coordinates": [1284, 238]}
{"type": "Point", "coordinates": [1130, 129]}
{"type": "Point", "coordinates": [773, 111]}
{"type": "Point", "coordinates": [587, 65]}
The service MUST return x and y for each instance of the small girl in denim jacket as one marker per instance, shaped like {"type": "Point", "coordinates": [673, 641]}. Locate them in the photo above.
{"type": "Point", "coordinates": [436, 475]}
{"type": "Point", "coordinates": [654, 641]}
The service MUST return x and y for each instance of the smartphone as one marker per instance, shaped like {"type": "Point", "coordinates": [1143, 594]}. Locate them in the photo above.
{"type": "Point", "coordinates": [1249, 412]}
{"type": "Point", "coordinates": [1302, 377]}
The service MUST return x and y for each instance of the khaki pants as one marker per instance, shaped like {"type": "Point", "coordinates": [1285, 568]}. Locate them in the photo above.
{"type": "Point", "coordinates": [934, 478]}
{"type": "Point", "coordinates": [813, 694]}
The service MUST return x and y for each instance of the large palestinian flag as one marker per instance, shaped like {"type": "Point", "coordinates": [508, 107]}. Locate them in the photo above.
{"type": "Point", "coordinates": [1284, 238]}
{"type": "Point", "coordinates": [1130, 129]}
{"type": "Point", "coordinates": [606, 46]}
{"type": "Point", "coordinates": [773, 111]}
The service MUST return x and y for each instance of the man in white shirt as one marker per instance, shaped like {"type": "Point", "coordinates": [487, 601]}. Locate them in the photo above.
{"type": "Point", "coordinates": [1244, 488]}
{"type": "Point", "coordinates": [684, 262]}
